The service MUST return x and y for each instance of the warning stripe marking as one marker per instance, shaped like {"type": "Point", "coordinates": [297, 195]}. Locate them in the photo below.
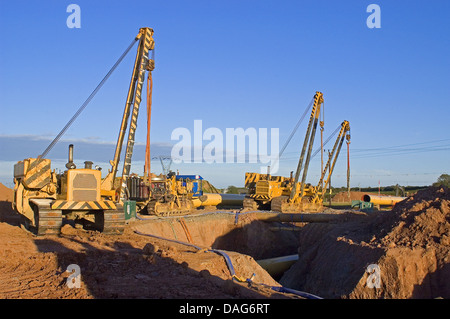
{"type": "Point", "coordinates": [83, 205]}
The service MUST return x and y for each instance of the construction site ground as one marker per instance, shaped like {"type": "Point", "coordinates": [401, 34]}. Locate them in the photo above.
{"type": "Point", "coordinates": [177, 258]}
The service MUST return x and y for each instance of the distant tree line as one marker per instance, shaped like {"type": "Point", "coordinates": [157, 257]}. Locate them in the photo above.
{"type": "Point", "coordinates": [236, 190]}
{"type": "Point", "coordinates": [443, 180]}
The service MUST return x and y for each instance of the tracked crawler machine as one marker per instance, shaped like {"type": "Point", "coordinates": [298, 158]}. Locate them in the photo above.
{"type": "Point", "coordinates": [288, 194]}
{"type": "Point", "coordinates": [301, 197]}
{"type": "Point", "coordinates": [165, 196]}
{"type": "Point", "coordinates": [44, 197]}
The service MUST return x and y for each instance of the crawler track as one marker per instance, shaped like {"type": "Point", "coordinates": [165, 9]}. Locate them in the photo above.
{"type": "Point", "coordinates": [47, 221]}
{"type": "Point", "coordinates": [250, 204]}
{"type": "Point", "coordinates": [164, 209]}
{"type": "Point", "coordinates": [111, 222]}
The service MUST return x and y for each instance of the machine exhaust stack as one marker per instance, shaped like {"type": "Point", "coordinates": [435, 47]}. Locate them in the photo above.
{"type": "Point", "coordinates": [70, 164]}
{"type": "Point", "coordinates": [71, 153]}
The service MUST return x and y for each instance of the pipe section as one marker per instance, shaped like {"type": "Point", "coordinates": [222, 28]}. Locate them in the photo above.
{"type": "Point", "coordinates": [278, 265]}
{"type": "Point", "coordinates": [212, 199]}
{"type": "Point", "coordinates": [231, 268]}
{"type": "Point", "coordinates": [232, 199]}
{"type": "Point", "coordinates": [207, 200]}
{"type": "Point", "coordinates": [382, 200]}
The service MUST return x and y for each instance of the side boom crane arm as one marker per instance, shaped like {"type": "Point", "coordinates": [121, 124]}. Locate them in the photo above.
{"type": "Point", "coordinates": [142, 64]}
{"type": "Point", "coordinates": [343, 133]}
{"type": "Point", "coordinates": [310, 134]}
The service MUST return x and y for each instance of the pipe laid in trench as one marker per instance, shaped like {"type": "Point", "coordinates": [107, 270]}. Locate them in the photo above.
{"type": "Point", "coordinates": [231, 268]}
{"type": "Point", "coordinates": [278, 265]}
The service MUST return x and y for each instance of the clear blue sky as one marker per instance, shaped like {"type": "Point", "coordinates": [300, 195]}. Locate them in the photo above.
{"type": "Point", "coordinates": [235, 64]}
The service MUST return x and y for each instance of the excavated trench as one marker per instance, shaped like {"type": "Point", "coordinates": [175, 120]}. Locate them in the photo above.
{"type": "Point", "coordinates": [229, 231]}
{"type": "Point", "coordinates": [335, 252]}
{"type": "Point", "coordinates": [402, 253]}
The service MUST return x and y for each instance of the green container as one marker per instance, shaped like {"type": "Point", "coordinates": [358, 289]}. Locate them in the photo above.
{"type": "Point", "coordinates": [362, 206]}
{"type": "Point", "coordinates": [129, 208]}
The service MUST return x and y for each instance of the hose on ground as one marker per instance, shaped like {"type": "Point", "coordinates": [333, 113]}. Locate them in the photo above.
{"type": "Point", "coordinates": [231, 268]}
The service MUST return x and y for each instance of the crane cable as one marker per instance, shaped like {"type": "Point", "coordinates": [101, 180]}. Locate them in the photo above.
{"type": "Point", "coordinates": [348, 162]}
{"type": "Point", "coordinates": [91, 96]}
{"type": "Point", "coordinates": [149, 116]}
{"type": "Point", "coordinates": [149, 67]}
{"type": "Point", "coordinates": [327, 140]}
{"type": "Point", "coordinates": [294, 130]}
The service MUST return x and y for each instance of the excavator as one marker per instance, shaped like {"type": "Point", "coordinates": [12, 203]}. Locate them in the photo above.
{"type": "Point", "coordinates": [44, 197]}
{"type": "Point", "coordinates": [287, 194]}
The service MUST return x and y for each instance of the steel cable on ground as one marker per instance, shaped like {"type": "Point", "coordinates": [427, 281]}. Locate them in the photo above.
{"type": "Point", "coordinates": [91, 96]}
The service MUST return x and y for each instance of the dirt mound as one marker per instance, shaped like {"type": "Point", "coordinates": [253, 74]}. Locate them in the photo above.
{"type": "Point", "coordinates": [409, 245]}
{"type": "Point", "coordinates": [343, 197]}
{"type": "Point", "coordinates": [422, 220]}
{"type": "Point", "coordinates": [6, 212]}
{"type": "Point", "coordinates": [208, 187]}
{"type": "Point", "coordinates": [6, 194]}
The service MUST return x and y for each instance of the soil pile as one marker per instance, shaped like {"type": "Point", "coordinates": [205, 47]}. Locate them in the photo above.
{"type": "Point", "coordinates": [409, 245]}
{"type": "Point", "coordinates": [6, 213]}
{"type": "Point", "coordinates": [6, 194]}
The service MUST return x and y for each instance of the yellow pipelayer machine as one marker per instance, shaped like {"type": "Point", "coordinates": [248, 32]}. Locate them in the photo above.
{"type": "Point", "coordinates": [44, 197]}
{"type": "Point", "coordinates": [287, 194]}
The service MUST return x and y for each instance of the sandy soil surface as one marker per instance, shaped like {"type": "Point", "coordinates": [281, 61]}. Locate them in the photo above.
{"type": "Point", "coordinates": [125, 266]}
{"type": "Point", "coordinates": [409, 245]}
